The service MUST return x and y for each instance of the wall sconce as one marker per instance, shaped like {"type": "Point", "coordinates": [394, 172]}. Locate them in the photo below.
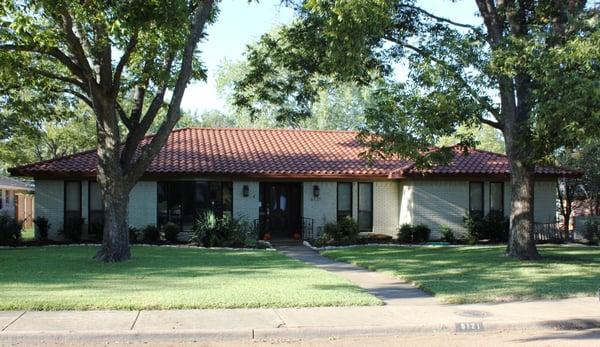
{"type": "Point", "coordinates": [316, 191]}
{"type": "Point", "coordinates": [246, 191]}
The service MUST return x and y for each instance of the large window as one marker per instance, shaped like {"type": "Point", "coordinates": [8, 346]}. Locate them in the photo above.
{"type": "Point", "coordinates": [344, 200]}
{"type": "Point", "coordinates": [95, 209]}
{"type": "Point", "coordinates": [476, 198]}
{"type": "Point", "coordinates": [72, 201]}
{"type": "Point", "coordinates": [1, 200]}
{"type": "Point", "coordinates": [497, 196]}
{"type": "Point", "coordinates": [365, 206]}
{"type": "Point", "coordinates": [183, 201]}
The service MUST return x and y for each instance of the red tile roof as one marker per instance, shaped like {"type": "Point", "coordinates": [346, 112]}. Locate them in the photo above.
{"type": "Point", "coordinates": [273, 153]}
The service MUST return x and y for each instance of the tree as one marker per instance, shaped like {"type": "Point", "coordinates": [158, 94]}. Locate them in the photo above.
{"type": "Point", "coordinates": [530, 70]}
{"type": "Point", "coordinates": [102, 53]}
{"type": "Point", "coordinates": [486, 138]}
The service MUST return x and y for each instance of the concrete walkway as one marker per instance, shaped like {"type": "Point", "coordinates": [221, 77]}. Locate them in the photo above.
{"type": "Point", "coordinates": [241, 324]}
{"type": "Point", "coordinates": [389, 289]}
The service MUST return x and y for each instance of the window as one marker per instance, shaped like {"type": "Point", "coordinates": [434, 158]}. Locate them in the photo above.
{"type": "Point", "coordinates": [497, 196]}
{"type": "Point", "coordinates": [365, 206]}
{"type": "Point", "coordinates": [95, 209]}
{"type": "Point", "coordinates": [344, 200]}
{"type": "Point", "coordinates": [1, 199]}
{"type": "Point", "coordinates": [72, 201]}
{"type": "Point", "coordinates": [7, 198]}
{"type": "Point", "coordinates": [476, 198]}
{"type": "Point", "coordinates": [183, 201]}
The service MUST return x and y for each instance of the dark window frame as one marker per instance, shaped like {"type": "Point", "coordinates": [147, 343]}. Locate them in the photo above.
{"type": "Point", "coordinates": [372, 207]}
{"type": "Point", "coordinates": [89, 196]}
{"type": "Point", "coordinates": [1, 199]}
{"type": "Point", "coordinates": [337, 199]}
{"type": "Point", "coordinates": [167, 187]}
{"type": "Point", "coordinates": [481, 183]}
{"type": "Point", "coordinates": [65, 184]}
{"type": "Point", "coordinates": [501, 195]}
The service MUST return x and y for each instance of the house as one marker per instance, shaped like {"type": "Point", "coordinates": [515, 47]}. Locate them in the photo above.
{"type": "Point", "coordinates": [16, 200]}
{"type": "Point", "coordinates": [287, 181]}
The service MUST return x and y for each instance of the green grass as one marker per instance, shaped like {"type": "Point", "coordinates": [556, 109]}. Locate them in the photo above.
{"type": "Point", "coordinates": [484, 274]}
{"type": "Point", "coordinates": [57, 278]}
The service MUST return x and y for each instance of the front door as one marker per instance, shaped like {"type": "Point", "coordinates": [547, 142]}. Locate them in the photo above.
{"type": "Point", "coordinates": [280, 209]}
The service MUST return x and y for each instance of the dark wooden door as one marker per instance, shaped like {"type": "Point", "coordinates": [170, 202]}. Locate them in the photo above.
{"type": "Point", "coordinates": [280, 209]}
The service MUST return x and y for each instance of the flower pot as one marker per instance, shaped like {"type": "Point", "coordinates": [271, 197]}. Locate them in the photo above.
{"type": "Point", "coordinates": [266, 237]}
{"type": "Point", "coordinates": [296, 236]}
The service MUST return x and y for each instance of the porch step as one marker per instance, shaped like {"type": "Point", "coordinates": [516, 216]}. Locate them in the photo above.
{"type": "Point", "coordinates": [279, 243]}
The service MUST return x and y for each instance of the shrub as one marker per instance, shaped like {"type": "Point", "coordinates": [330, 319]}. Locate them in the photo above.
{"type": "Point", "coordinates": [591, 231]}
{"type": "Point", "coordinates": [151, 234]}
{"type": "Point", "coordinates": [211, 231]}
{"type": "Point", "coordinates": [376, 238]}
{"type": "Point", "coordinates": [447, 234]}
{"type": "Point", "coordinates": [405, 233]}
{"type": "Point", "coordinates": [342, 231]}
{"type": "Point", "coordinates": [43, 228]}
{"type": "Point", "coordinates": [134, 235]}
{"type": "Point", "coordinates": [73, 229]}
{"type": "Point", "coordinates": [171, 230]}
{"type": "Point", "coordinates": [493, 227]}
{"type": "Point", "coordinates": [421, 233]}
{"type": "Point", "coordinates": [10, 230]}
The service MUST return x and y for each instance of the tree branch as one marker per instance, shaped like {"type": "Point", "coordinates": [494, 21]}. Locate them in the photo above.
{"type": "Point", "coordinates": [123, 61]}
{"type": "Point", "coordinates": [75, 45]}
{"type": "Point", "coordinates": [438, 18]}
{"type": "Point", "coordinates": [58, 77]}
{"type": "Point", "coordinates": [480, 100]}
{"type": "Point", "coordinates": [123, 116]}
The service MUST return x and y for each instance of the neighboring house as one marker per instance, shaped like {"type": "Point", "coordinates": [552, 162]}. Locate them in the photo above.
{"type": "Point", "coordinates": [16, 200]}
{"type": "Point", "coordinates": [286, 181]}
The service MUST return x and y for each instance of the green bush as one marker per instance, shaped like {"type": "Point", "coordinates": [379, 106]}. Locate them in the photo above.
{"type": "Point", "coordinates": [73, 229]}
{"type": "Point", "coordinates": [591, 231]}
{"type": "Point", "coordinates": [413, 233]}
{"type": "Point", "coordinates": [421, 233]}
{"type": "Point", "coordinates": [211, 231]}
{"type": "Point", "coordinates": [171, 230]}
{"type": "Point", "coordinates": [43, 228]}
{"type": "Point", "coordinates": [375, 238]}
{"type": "Point", "coordinates": [493, 227]}
{"type": "Point", "coordinates": [10, 230]}
{"type": "Point", "coordinates": [405, 233]}
{"type": "Point", "coordinates": [344, 231]}
{"type": "Point", "coordinates": [134, 235]}
{"type": "Point", "coordinates": [151, 234]}
{"type": "Point", "coordinates": [447, 234]}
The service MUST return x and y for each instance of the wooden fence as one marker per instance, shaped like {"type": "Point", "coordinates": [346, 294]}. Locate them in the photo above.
{"type": "Point", "coordinates": [551, 232]}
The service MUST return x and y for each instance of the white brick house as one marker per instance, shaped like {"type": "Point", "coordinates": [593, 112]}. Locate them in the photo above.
{"type": "Point", "coordinates": [284, 180]}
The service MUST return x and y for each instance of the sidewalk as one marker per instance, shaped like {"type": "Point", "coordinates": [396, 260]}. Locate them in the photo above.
{"type": "Point", "coordinates": [242, 324]}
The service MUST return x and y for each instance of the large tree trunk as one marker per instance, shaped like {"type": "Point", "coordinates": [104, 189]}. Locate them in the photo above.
{"type": "Point", "coordinates": [521, 243]}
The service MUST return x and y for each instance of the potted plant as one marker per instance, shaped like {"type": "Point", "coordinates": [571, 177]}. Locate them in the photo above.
{"type": "Point", "coordinates": [297, 236]}
{"type": "Point", "coordinates": [267, 236]}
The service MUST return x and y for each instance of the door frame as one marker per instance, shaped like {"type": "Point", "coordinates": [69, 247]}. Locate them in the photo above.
{"type": "Point", "coordinates": [263, 221]}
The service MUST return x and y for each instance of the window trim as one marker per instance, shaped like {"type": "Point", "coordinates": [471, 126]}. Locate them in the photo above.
{"type": "Point", "coordinates": [372, 206]}
{"type": "Point", "coordinates": [501, 195]}
{"type": "Point", "coordinates": [482, 197]}
{"type": "Point", "coordinates": [1, 199]}
{"type": "Point", "coordinates": [337, 199]}
{"type": "Point", "coordinates": [65, 184]}
{"type": "Point", "coordinates": [89, 206]}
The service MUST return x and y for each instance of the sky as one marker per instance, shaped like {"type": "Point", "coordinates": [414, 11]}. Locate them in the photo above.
{"type": "Point", "coordinates": [241, 23]}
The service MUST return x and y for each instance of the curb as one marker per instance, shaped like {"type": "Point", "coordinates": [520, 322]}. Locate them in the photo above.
{"type": "Point", "coordinates": [249, 334]}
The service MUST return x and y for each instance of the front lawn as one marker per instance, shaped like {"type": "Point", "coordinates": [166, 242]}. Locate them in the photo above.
{"type": "Point", "coordinates": [484, 274]}
{"type": "Point", "coordinates": [66, 277]}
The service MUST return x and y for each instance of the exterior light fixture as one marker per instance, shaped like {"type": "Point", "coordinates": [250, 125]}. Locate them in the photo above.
{"type": "Point", "coordinates": [246, 191]}
{"type": "Point", "coordinates": [316, 191]}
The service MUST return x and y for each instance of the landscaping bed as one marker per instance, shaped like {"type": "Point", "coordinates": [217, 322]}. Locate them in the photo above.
{"type": "Point", "coordinates": [67, 278]}
{"type": "Point", "coordinates": [483, 273]}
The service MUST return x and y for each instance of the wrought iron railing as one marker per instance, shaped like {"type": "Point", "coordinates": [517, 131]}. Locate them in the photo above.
{"type": "Point", "coordinates": [551, 232]}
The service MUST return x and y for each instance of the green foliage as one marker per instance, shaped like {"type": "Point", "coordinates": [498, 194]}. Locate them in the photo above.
{"type": "Point", "coordinates": [135, 235]}
{"type": "Point", "coordinates": [447, 234]}
{"type": "Point", "coordinates": [211, 231]}
{"type": "Point", "coordinates": [171, 230]}
{"type": "Point", "coordinates": [10, 230]}
{"type": "Point", "coordinates": [344, 231]}
{"type": "Point", "coordinates": [413, 233]}
{"type": "Point", "coordinates": [72, 229]}
{"type": "Point", "coordinates": [151, 234]}
{"type": "Point", "coordinates": [493, 227]}
{"type": "Point", "coordinates": [591, 231]}
{"type": "Point", "coordinates": [42, 228]}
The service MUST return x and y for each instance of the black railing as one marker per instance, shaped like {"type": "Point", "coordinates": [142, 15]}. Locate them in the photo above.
{"type": "Point", "coordinates": [551, 232]}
